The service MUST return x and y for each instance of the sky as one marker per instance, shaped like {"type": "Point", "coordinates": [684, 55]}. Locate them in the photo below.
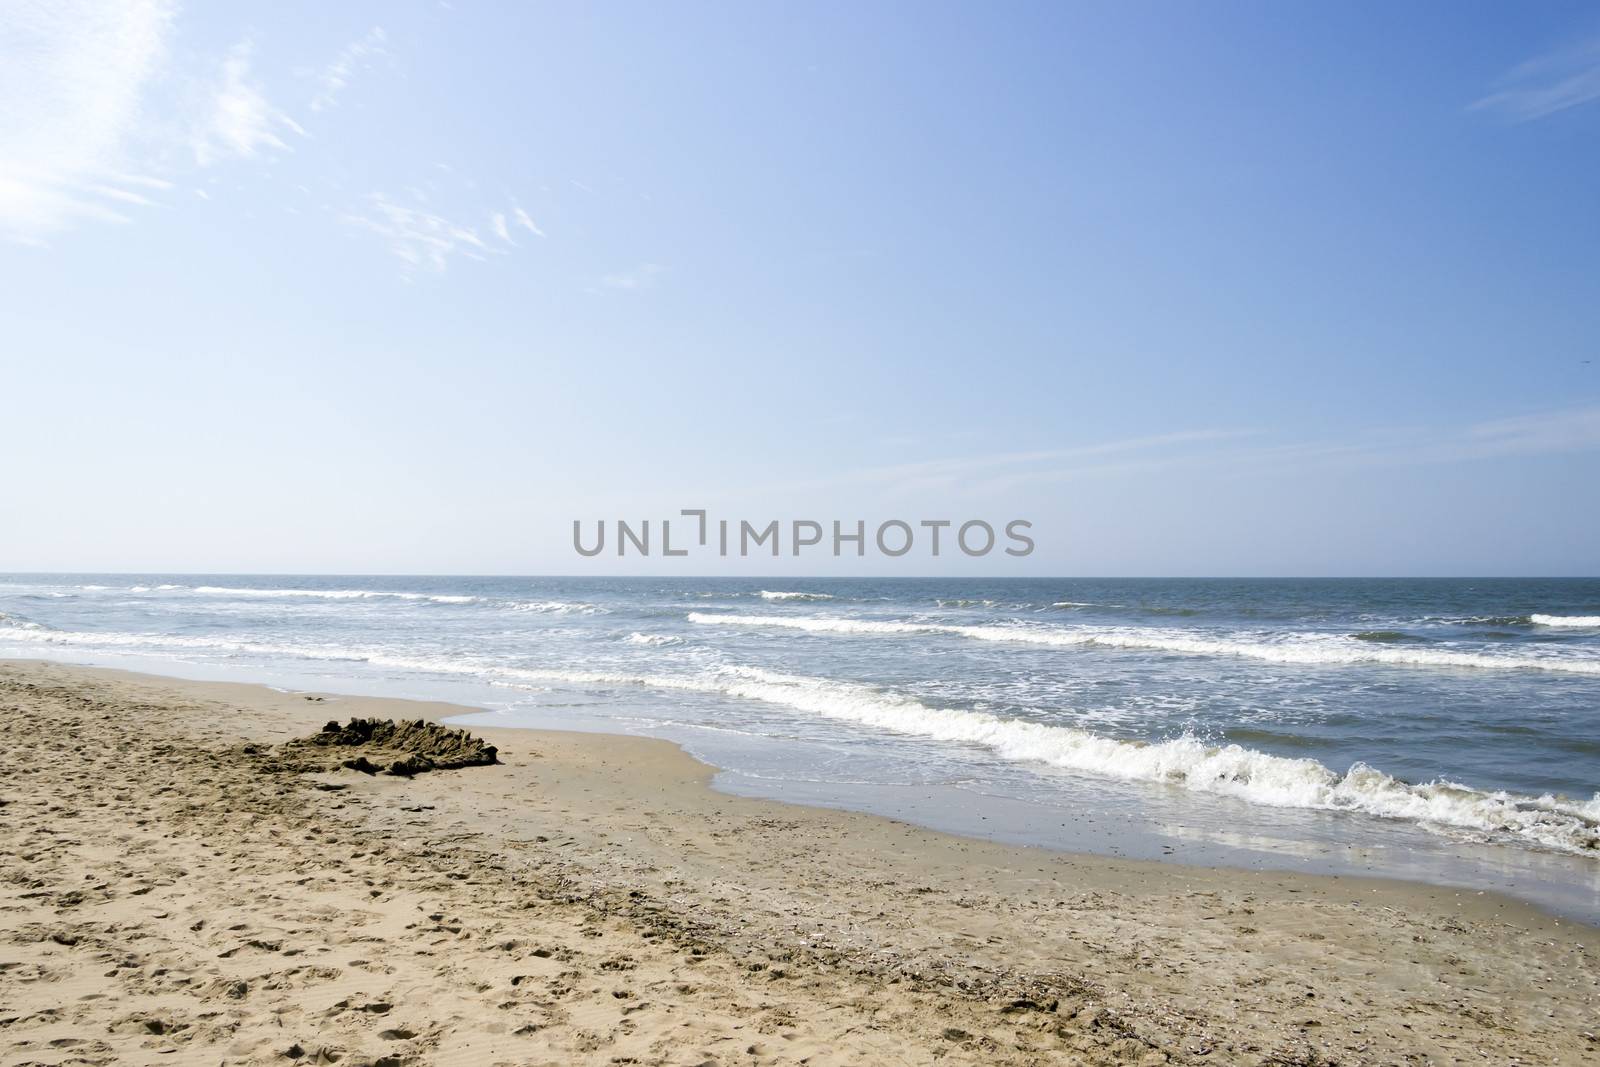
{"type": "Point", "coordinates": [1227, 289]}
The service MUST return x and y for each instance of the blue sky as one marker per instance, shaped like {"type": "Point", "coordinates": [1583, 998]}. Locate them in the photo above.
{"type": "Point", "coordinates": [1197, 289]}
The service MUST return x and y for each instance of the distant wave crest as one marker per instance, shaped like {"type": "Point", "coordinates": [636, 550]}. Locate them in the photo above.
{"type": "Point", "coordinates": [769, 594]}
{"type": "Point", "coordinates": [333, 594]}
{"type": "Point", "coordinates": [637, 638]}
{"type": "Point", "coordinates": [1330, 649]}
{"type": "Point", "coordinates": [553, 607]}
{"type": "Point", "coordinates": [558, 607]}
{"type": "Point", "coordinates": [1588, 621]}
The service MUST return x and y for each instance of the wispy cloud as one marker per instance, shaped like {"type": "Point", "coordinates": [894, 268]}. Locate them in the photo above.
{"type": "Point", "coordinates": [1236, 452]}
{"type": "Point", "coordinates": [72, 76]}
{"type": "Point", "coordinates": [525, 221]}
{"type": "Point", "coordinates": [355, 57]}
{"type": "Point", "coordinates": [1566, 78]}
{"type": "Point", "coordinates": [641, 277]}
{"type": "Point", "coordinates": [998, 472]}
{"type": "Point", "coordinates": [419, 238]}
{"type": "Point", "coordinates": [237, 120]}
{"type": "Point", "coordinates": [1573, 430]}
{"type": "Point", "coordinates": [1562, 431]}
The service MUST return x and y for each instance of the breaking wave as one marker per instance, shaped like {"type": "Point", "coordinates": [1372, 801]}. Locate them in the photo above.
{"type": "Point", "coordinates": [1321, 649]}
{"type": "Point", "coordinates": [1587, 621]}
{"type": "Point", "coordinates": [1183, 762]}
{"type": "Point", "coordinates": [637, 638]}
{"type": "Point", "coordinates": [768, 594]}
{"type": "Point", "coordinates": [558, 607]}
{"type": "Point", "coordinates": [334, 594]}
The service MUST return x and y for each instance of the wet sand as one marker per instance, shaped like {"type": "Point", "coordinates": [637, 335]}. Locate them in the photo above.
{"type": "Point", "coordinates": [173, 893]}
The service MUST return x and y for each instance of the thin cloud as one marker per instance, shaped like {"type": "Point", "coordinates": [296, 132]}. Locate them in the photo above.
{"type": "Point", "coordinates": [238, 121]}
{"type": "Point", "coordinates": [1006, 470]}
{"type": "Point", "coordinates": [641, 277]}
{"type": "Point", "coordinates": [355, 57]}
{"type": "Point", "coordinates": [949, 471]}
{"type": "Point", "coordinates": [1544, 433]}
{"type": "Point", "coordinates": [72, 80]}
{"type": "Point", "coordinates": [1558, 432]}
{"type": "Point", "coordinates": [1557, 81]}
{"type": "Point", "coordinates": [422, 240]}
{"type": "Point", "coordinates": [524, 221]}
{"type": "Point", "coordinates": [1573, 430]}
{"type": "Point", "coordinates": [428, 238]}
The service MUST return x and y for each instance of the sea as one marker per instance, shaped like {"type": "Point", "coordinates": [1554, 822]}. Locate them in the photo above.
{"type": "Point", "coordinates": [1443, 730]}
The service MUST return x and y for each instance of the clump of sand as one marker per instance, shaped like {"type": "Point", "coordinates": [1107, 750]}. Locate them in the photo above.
{"type": "Point", "coordinates": [403, 748]}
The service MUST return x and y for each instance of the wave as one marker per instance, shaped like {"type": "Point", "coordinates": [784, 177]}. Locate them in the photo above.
{"type": "Point", "coordinates": [1312, 649]}
{"type": "Point", "coordinates": [558, 607]}
{"type": "Point", "coordinates": [637, 638]}
{"type": "Point", "coordinates": [1484, 620]}
{"type": "Point", "coordinates": [335, 594]}
{"type": "Point", "coordinates": [1386, 636]}
{"type": "Point", "coordinates": [1588, 621]}
{"type": "Point", "coordinates": [768, 594]}
{"type": "Point", "coordinates": [1585, 621]}
{"type": "Point", "coordinates": [1183, 762]}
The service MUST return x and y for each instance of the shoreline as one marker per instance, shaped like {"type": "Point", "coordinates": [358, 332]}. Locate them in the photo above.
{"type": "Point", "coordinates": [1247, 964]}
{"type": "Point", "coordinates": [1556, 883]}
{"type": "Point", "coordinates": [706, 773]}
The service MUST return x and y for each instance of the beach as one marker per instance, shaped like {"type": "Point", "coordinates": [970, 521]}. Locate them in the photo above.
{"type": "Point", "coordinates": [172, 895]}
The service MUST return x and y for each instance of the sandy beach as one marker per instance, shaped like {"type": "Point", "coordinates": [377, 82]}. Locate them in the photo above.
{"type": "Point", "coordinates": [174, 894]}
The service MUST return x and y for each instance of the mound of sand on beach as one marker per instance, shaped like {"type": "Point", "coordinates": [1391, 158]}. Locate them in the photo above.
{"type": "Point", "coordinates": [404, 748]}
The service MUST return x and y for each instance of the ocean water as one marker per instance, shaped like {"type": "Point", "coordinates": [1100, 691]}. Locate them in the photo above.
{"type": "Point", "coordinates": [1440, 729]}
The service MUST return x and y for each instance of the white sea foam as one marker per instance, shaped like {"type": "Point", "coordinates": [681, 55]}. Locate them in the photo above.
{"type": "Point", "coordinates": [333, 594]}
{"type": "Point", "coordinates": [637, 638]}
{"type": "Point", "coordinates": [1588, 621]}
{"type": "Point", "coordinates": [1327, 649]}
{"type": "Point", "coordinates": [769, 594]}
{"type": "Point", "coordinates": [558, 607]}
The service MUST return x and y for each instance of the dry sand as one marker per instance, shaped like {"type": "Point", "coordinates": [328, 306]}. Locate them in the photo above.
{"type": "Point", "coordinates": [172, 893]}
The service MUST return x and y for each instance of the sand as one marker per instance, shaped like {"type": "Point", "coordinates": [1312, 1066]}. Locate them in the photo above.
{"type": "Point", "coordinates": [174, 893]}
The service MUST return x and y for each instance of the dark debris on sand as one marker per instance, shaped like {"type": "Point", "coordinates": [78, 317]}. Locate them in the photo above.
{"type": "Point", "coordinates": [403, 748]}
